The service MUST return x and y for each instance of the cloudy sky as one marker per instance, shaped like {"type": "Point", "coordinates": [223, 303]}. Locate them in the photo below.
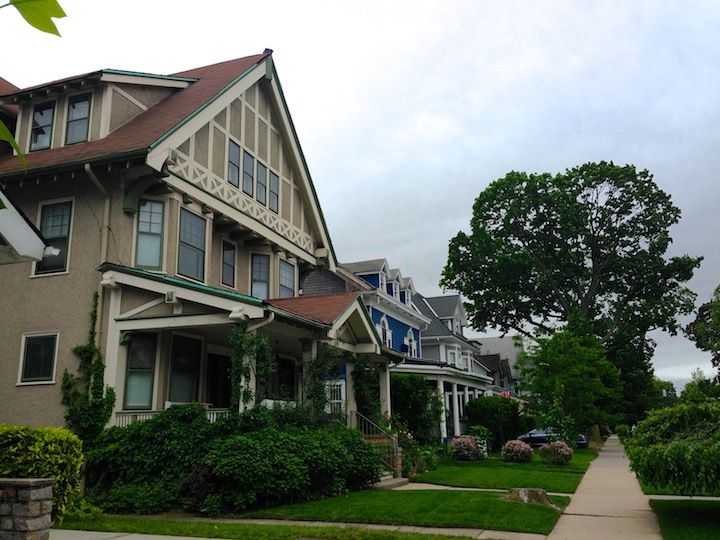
{"type": "Point", "coordinates": [406, 110]}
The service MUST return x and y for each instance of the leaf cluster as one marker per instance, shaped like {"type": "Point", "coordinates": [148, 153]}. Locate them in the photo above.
{"type": "Point", "coordinates": [705, 330]}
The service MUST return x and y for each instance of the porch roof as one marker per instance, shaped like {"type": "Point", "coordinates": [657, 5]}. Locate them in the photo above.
{"type": "Point", "coordinates": [324, 309]}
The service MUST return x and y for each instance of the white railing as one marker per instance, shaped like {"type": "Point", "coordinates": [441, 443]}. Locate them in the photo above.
{"type": "Point", "coordinates": [335, 391]}
{"type": "Point", "coordinates": [125, 418]}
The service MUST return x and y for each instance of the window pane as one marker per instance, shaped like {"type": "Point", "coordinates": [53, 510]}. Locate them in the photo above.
{"type": "Point", "coordinates": [228, 264]}
{"type": "Point", "coordinates": [287, 280]}
{"type": "Point", "coordinates": [38, 358]}
{"type": "Point", "coordinates": [78, 119]}
{"type": "Point", "coordinates": [150, 234]}
{"type": "Point", "coordinates": [138, 390]}
{"type": "Point", "coordinates": [191, 251]}
{"type": "Point", "coordinates": [55, 228]}
{"type": "Point", "coordinates": [42, 126]}
{"type": "Point", "coordinates": [149, 247]}
{"type": "Point", "coordinates": [261, 276]}
{"type": "Point", "coordinates": [234, 164]}
{"type": "Point", "coordinates": [261, 183]}
{"type": "Point", "coordinates": [248, 174]}
{"type": "Point", "coordinates": [140, 371]}
{"type": "Point", "coordinates": [274, 192]}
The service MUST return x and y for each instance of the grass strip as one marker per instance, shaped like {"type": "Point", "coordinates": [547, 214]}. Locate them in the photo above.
{"type": "Point", "coordinates": [498, 474]}
{"type": "Point", "coordinates": [688, 520]}
{"type": "Point", "coordinates": [470, 509]}
{"type": "Point", "coordinates": [209, 529]}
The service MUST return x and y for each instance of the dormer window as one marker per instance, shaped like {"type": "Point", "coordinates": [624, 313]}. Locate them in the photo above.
{"type": "Point", "coordinates": [383, 283]}
{"type": "Point", "coordinates": [42, 126]}
{"type": "Point", "coordinates": [78, 119]}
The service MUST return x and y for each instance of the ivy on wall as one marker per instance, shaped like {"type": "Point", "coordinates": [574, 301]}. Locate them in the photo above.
{"type": "Point", "coordinates": [316, 373]}
{"type": "Point", "coordinates": [366, 381]}
{"type": "Point", "coordinates": [89, 403]}
{"type": "Point", "coordinates": [251, 354]}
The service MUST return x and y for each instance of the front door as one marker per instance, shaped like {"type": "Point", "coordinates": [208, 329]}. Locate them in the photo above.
{"type": "Point", "coordinates": [218, 381]}
{"type": "Point", "coordinates": [185, 360]}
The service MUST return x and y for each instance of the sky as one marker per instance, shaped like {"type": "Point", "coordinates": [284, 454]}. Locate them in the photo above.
{"type": "Point", "coordinates": [407, 110]}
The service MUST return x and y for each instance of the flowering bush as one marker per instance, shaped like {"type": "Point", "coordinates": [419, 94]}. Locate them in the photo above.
{"type": "Point", "coordinates": [465, 448]}
{"type": "Point", "coordinates": [556, 453]}
{"type": "Point", "coordinates": [516, 451]}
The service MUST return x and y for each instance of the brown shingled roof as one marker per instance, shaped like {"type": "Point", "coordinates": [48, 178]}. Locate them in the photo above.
{"type": "Point", "coordinates": [323, 309]}
{"type": "Point", "coordinates": [140, 133]}
{"type": "Point", "coordinates": [5, 88]}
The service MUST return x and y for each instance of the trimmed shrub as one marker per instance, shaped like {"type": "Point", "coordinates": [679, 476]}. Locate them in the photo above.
{"type": "Point", "coordinates": [556, 453]}
{"type": "Point", "coordinates": [44, 452]}
{"type": "Point", "coordinates": [465, 448]}
{"type": "Point", "coordinates": [678, 449]}
{"type": "Point", "coordinates": [516, 451]}
{"type": "Point", "coordinates": [623, 430]}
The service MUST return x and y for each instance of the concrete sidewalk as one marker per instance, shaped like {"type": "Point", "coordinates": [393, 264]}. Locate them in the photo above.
{"type": "Point", "coordinates": [608, 503]}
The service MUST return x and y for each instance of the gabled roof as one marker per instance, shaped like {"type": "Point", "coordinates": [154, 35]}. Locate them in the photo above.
{"type": "Point", "coordinates": [323, 309]}
{"type": "Point", "coordinates": [140, 134]}
{"type": "Point", "coordinates": [444, 306]}
{"type": "Point", "coordinates": [436, 327]}
{"type": "Point", "coordinates": [494, 363]}
{"type": "Point", "coordinates": [395, 274]}
{"type": "Point", "coordinates": [365, 267]}
{"type": "Point", "coordinates": [6, 87]}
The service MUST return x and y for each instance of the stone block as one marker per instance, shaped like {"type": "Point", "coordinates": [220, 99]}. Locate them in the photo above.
{"type": "Point", "coordinates": [47, 506]}
{"type": "Point", "coordinates": [28, 509]}
{"type": "Point", "coordinates": [6, 524]}
{"type": "Point", "coordinates": [5, 509]}
{"type": "Point", "coordinates": [32, 524]}
{"type": "Point", "coordinates": [35, 494]}
{"type": "Point", "coordinates": [9, 494]}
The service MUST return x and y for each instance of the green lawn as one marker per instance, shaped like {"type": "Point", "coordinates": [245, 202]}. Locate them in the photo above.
{"type": "Point", "coordinates": [209, 529]}
{"type": "Point", "coordinates": [471, 509]}
{"type": "Point", "coordinates": [688, 520]}
{"type": "Point", "coordinates": [495, 473]}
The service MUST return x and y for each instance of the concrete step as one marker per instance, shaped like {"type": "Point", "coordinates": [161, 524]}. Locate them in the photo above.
{"type": "Point", "coordinates": [389, 482]}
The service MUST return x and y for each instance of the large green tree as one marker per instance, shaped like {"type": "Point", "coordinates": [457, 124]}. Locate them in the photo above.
{"type": "Point", "coordinates": [705, 330]}
{"type": "Point", "coordinates": [590, 243]}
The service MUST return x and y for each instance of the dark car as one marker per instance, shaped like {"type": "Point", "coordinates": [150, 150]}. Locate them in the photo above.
{"type": "Point", "coordinates": [538, 437]}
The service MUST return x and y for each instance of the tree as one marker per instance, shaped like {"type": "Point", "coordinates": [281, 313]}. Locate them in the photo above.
{"type": "Point", "coordinates": [569, 374]}
{"type": "Point", "coordinates": [700, 388]}
{"type": "Point", "coordinates": [587, 243]}
{"type": "Point", "coordinates": [500, 415]}
{"type": "Point", "coordinates": [663, 394]}
{"type": "Point", "coordinates": [705, 330]}
{"type": "Point", "coordinates": [416, 405]}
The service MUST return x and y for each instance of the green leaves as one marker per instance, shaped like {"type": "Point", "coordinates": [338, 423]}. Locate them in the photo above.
{"type": "Point", "coordinates": [40, 13]}
{"type": "Point", "coordinates": [6, 136]}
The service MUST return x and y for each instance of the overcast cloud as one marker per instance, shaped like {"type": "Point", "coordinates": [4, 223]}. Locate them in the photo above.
{"type": "Point", "coordinates": [407, 110]}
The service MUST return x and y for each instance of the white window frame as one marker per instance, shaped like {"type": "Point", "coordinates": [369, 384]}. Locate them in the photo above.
{"type": "Point", "coordinates": [136, 229]}
{"type": "Point", "coordinates": [202, 375]}
{"type": "Point", "coordinates": [21, 363]}
{"type": "Point", "coordinates": [156, 374]}
{"type": "Point", "coordinates": [295, 277]}
{"type": "Point", "coordinates": [52, 125]}
{"type": "Point", "coordinates": [270, 272]}
{"type": "Point", "coordinates": [222, 264]}
{"type": "Point", "coordinates": [383, 325]}
{"type": "Point", "coordinates": [33, 273]}
{"type": "Point", "coordinates": [208, 247]}
{"type": "Point", "coordinates": [66, 108]}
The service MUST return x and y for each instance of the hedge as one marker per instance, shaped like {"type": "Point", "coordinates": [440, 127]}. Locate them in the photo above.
{"type": "Point", "coordinates": [44, 452]}
{"type": "Point", "coordinates": [178, 460]}
{"type": "Point", "coordinates": [677, 449]}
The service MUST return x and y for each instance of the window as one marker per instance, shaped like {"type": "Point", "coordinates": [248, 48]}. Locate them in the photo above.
{"type": "Point", "coordinates": [287, 280]}
{"type": "Point", "coordinates": [38, 361]}
{"type": "Point", "coordinates": [228, 264]}
{"type": "Point", "coordinates": [191, 251]}
{"type": "Point", "coordinates": [411, 343]}
{"type": "Point", "coordinates": [274, 201]}
{"type": "Point", "coordinates": [248, 174]}
{"type": "Point", "coordinates": [260, 286]}
{"type": "Point", "coordinates": [234, 164]}
{"type": "Point", "coordinates": [451, 357]}
{"type": "Point", "coordinates": [261, 195]}
{"type": "Point", "coordinates": [140, 371]}
{"type": "Point", "coordinates": [78, 119]}
{"type": "Point", "coordinates": [42, 124]}
{"type": "Point", "coordinates": [55, 227]}
{"type": "Point", "coordinates": [385, 333]}
{"type": "Point", "coordinates": [150, 235]}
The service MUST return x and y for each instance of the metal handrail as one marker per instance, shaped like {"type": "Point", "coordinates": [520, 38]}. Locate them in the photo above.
{"type": "Point", "coordinates": [385, 442]}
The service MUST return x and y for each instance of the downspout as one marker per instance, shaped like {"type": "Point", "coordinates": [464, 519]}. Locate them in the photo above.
{"type": "Point", "coordinates": [252, 327]}
{"type": "Point", "coordinates": [103, 242]}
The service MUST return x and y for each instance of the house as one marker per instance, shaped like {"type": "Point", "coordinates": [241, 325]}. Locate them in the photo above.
{"type": "Point", "coordinates": [185, 202]}
{"type": "Point", "coordinates": [427, 331]}
{"type": "Point", "coordinates": [501, 354]}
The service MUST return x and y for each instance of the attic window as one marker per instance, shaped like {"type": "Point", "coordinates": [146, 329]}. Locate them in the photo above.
{"type": "Point", "coordinates": [42, 123]}
{"type": "Point", "coordinates": [78, 119]}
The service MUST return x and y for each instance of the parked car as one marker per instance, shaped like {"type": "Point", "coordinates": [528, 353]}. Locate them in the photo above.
{"type": "Point", "coordinates": [539, 436]}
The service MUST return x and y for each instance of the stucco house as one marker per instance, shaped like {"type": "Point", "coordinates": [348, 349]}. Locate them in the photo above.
{"type": "Point", "coordinates": [186, 203]}
{"type": "Point", "coordinates": [427, 331]}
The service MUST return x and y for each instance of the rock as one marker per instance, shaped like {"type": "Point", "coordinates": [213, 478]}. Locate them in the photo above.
{"type": "Point", "coordinates": [527, 495]}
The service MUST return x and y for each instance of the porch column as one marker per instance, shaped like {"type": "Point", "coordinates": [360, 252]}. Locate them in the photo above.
{"type": "Point", "coordinates": [350, 403]}
{"type": "Point", "coordinates": [475, 393]}
{"type": "Point", "coordinates": [113, 375]}
{"type": "Point", "coordinates": [456, 410]}
{"type": "Point", "coordinates": [251, 383]}
{"type": "Point", "coordinates": [467, 395]}
{"type": "Point", "coordinates": [443, 417]}
{"type": "Point", "coordinates": [385, 406]}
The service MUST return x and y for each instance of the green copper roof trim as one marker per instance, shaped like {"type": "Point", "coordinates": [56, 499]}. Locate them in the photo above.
{"type": "Point", "coordinates": [197, 111]}
{"type": "Point", "coordinates": [170, 280]}
{"type": "Point", "coordinates": [149, 75]}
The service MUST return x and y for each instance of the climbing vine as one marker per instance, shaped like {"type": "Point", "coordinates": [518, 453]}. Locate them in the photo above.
{"type": "Point", "coordinates": [251, 354]}
{"type": "Point", "coordinates": [316, 373]}
{"type": "Point", "coordinates": [88, 401]}
{"type": "Point", "coordinates": [366, 381]}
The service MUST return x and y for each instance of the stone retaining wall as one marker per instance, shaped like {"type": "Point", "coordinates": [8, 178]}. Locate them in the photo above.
{"type": "Point", "coordinates": [25, 508]}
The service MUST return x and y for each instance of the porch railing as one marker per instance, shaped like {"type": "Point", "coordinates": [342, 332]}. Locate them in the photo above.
{"type": "Point", "coordinates": [125, 418]}
{"type": "Point", "coordinates": [382, 440]}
